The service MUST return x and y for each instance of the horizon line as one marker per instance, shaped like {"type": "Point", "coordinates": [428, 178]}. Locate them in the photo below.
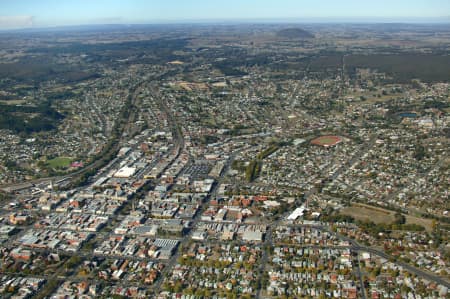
{"type": "Point", "coordinates": [260, 21]}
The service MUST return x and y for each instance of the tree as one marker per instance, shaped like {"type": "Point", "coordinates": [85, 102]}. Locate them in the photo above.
{"type": "Point", "coordinates": [72, 262]}
{"type": "Point", "coordinates": [419, 153]}
{"type": "Point", "coordinates": [399, 219]}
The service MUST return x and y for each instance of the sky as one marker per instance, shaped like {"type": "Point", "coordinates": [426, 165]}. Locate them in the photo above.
{"type": "Point", "coordinates": [47, 13]}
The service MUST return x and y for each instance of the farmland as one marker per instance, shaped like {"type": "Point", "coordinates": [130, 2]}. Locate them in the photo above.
{"type": "Point", "coordinates": [403, 68]}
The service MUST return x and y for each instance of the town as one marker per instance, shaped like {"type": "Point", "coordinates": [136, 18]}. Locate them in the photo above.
{"type": "Point", "coordinates": [238, 161]}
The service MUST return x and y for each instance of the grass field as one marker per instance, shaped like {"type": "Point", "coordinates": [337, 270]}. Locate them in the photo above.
{"type": "Point", "coordinates": [60, 162]}
{"type": "Point", "coordinates": [326, 140]}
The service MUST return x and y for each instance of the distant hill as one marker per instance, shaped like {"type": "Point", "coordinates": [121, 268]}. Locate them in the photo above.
{"type": "Point", "coordinates": [295, 33]}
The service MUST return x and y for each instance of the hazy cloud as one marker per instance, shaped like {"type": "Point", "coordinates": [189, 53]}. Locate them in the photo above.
{"type": "Point", "coordinates": [110, 20]}
{"type": "Point", "coordinates": [12, 22]}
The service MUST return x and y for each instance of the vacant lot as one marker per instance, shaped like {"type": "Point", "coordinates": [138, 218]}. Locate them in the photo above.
{"type": "Point", "coordinates": [427, 223]}
{"type": "Point", "coordinates": [366, 213]}
{"type": "Point", "coordinates": [378, 215]}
